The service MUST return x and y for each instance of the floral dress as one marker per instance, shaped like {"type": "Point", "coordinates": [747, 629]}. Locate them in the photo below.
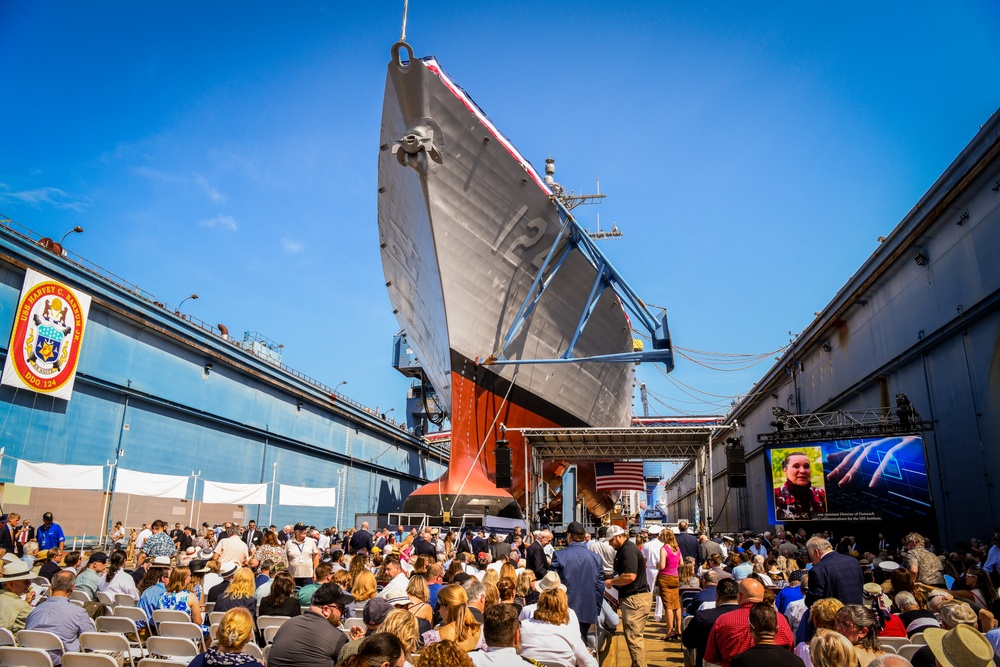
{"type": "Point", "coordinates": [271, 553]}
{"type": "Point", "coordinates": [179, 602]}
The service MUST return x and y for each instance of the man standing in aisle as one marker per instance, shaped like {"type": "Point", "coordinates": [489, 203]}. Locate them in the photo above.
{"type": "Point", "coordinates": [651, 552]}
{"type": "Point", "coordinates": [535, 559]}
{"type": "Point", "coordinates": [303, 556]}
{"type": "Point", "coordinates": [49, 534]}
{"type": "Point", "coordinates": [634, 598]}
{"type": "Point", "coordinates": [582, 572]}
{"type": "Point", "coordinates": [362, 539]}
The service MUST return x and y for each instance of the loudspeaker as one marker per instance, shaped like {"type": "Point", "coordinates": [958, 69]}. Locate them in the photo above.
{"type": "Point", "coordinates": [736, 467]}
{"type": "Point", "coordinates": [502, 454]}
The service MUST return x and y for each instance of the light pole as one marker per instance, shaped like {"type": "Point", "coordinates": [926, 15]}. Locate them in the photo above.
{"type": "Point", "coordinates": [337, 388]}
{"type": "Point", "coordinates": [76, 230]}
{"type": "Point", "coordinates": [192, 296]}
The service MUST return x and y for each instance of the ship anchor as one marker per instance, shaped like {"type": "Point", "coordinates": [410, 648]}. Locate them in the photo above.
{"type": "Point", "coordinates": [418, 140]}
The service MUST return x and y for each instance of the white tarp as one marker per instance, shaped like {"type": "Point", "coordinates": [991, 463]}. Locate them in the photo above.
{"type": "Point", "coordinates": [151, 484]}
{"type": "Point", "coordinates": [59, 476]}
{"type": "Point", "coordinates": [47, 338]}
{"type": "Point", "coordinates": [307, 497]}
{"type": "Point", "coordinates": [234, 494]}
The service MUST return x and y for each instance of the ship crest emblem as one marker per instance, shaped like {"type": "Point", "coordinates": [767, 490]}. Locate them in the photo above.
{"type": "Point", "coordinates": [48, 333]}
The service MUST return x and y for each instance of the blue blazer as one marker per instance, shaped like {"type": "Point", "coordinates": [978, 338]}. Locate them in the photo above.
{"type": "Point", "coordinates": [582, 572]}
{"type": "Point", "coordinates": [836, 576]}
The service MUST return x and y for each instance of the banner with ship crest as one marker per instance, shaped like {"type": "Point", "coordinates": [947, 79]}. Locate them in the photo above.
{"type": "Point", "coordinates": [48, 332]}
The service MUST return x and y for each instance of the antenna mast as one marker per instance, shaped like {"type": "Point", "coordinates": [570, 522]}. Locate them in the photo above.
{"type": "Point", "coordinates": [402, 35]}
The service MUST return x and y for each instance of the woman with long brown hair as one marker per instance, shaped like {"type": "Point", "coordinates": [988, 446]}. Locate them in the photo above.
{"type": "Point", "coordinates": [281, 600]}
{"type": "Point", "coordinates": [668, 583]}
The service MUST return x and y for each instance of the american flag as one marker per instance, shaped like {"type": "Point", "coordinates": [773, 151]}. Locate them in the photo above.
{"type": "Point", "coordinates": [619, 476]}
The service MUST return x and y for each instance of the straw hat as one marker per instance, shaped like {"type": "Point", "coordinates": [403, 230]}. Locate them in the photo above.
{"type": "Point", "coordinates": [16, 571]}
{"type": "Point", "coordinates": [550, 580]}
{"type": "Point", "coordinates": [962, 646]}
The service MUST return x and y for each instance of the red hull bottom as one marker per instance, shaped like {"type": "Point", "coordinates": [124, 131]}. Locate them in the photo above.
{"type": "Point", "coordinates": [468, 487]}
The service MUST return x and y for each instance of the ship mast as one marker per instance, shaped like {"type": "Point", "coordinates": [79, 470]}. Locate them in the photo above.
{"type": "Point", "coordinates": [571, 200]}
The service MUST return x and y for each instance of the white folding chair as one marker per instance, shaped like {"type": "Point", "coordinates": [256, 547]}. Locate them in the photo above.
{"type": "Point", "coordinates": [107, 643]}
{"type": "Point", "coordinates": [895, 642]}
{"type": "Point", "coordinates": [254, 650]}
{"type": "Point", "coordinates": [918, 638]}
{"type": "Point", "coordinates": [125, 599]}
{"type": "Point", "coordinates": [105, 598]}
{"type": "Point", "coordinates": [267, 652]}
{"type": "Point", "coordinates": [169, 616]}
{"type": "Point", "coordinates": [176, 648]}
{"type": "Point", "coordinates": [270, 621]}
{"type": "Point", "coordinates": [186, 630]}
{"type": "Point", "coordinates": [269, 633]}
{"type": "Point", "coordinates": [209, 608]}
{"type": "Point", "coordinates": [16, 656]}
{"type": "Point", "coordinates": [908, 651]}
{"type": "Point", "coordinates": [75, 659]}
{"type": "Point", "coordinates": [134, 614]}
{"type": "Point", "coordinates": [79, 595]}
{"type": "Point", "coordinates": [162, 662]}
{"type": "Point", "coordinates": [125, 627]}
{"type": "Point", "coordinates": [7, 638]}
{"type": "Point", "coordinates": [47, 641]}
{"type": "Point", "coordinates": [215, 617]}
{"type": "Point", "coordinates": [354, 623]}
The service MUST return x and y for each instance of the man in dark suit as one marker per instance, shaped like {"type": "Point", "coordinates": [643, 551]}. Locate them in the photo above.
{"type": "Point", "coordinates": [479, 544]}
{"type": "Point", "coordinates": [465, 546]}
{"type": "Point", "coordinates": [696, 633]}
{"type": "Point", "coordinates": [362, 539]}
{"type": "Point", "coordinates": [535, 556]}
{"type": "Point", "coordinates": [7, 534]}
{"type": "Point", "coordinates": [499, 547]}
{"type": "Point", "coordinates": [22, 535]}
{"type": "Point", "coordinates": [688, 543]}
{"type": "Point", "coordinates": [833, 575]}
{"type": "Point", "coordinates": [253, 536]}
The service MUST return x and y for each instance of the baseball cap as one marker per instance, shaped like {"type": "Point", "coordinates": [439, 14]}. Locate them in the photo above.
{"type": "Point", "coordinates": [615, 531]}
{"type": "Point", "coordinates": [575, 528]}
{"type": "Point", "coordinates": [375, 611]}
{"type": "Point", "coordinates": [47, 516]}
{"type": "Point", "coordinates": [299, 526]}
{"type": "Point", "coordinates": [98, 557]}
{"type": "Point", "coordinates": [330, 593]}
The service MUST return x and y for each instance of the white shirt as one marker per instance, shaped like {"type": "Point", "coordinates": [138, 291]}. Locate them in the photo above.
{"type": "Point", "coordinates": [794, 613]}
{"type": "Point", "coordinates": [211, 580]}
{"type": "Point", "coordinates": [651, 552]}
{"type": "Point", "coordinates": [497, 657]}
{"type": "Point", "coordinates": [263, 590]}
{"type": "Point", "coordinates": [324, 542]}
{"type": "Point", "coordinates": [232, 549]}
{"type": "Point", "coordinates": [554, 643]}
{"type": "Point", "coordinates": [141, 538]}
{"type": "Point", "coordinates": [397, 584]}
{"type": "Point", "coordinates": [122, 582]}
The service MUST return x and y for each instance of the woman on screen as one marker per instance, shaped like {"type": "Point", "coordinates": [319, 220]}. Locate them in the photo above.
{"type": "Point", "coordinates": [797, 498]}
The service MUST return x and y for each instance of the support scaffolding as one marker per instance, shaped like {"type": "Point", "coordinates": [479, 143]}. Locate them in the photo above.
{"type": "Point", "coordinates": [683, 443]}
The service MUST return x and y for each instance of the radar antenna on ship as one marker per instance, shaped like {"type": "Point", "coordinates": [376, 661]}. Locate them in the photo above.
{"type": "Point", "coordinates": [571, 200]}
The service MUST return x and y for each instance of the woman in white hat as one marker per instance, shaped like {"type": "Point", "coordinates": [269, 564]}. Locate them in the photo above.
{"type": "Point", "coordinates": [16, 581]}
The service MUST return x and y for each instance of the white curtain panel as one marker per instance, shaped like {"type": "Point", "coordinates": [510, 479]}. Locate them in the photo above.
{"type": "Point", "coordinates": [151, 484]}
{"type": "Point", "coordinates": [234, 494]}
{"type": "Point", "coordinates": [307, 497]}
{"type": "Point", "coordinates": [59, 476]}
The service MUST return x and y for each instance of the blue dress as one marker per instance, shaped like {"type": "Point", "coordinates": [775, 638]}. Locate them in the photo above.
{"type": "Point", "coordinates": [179, 602]}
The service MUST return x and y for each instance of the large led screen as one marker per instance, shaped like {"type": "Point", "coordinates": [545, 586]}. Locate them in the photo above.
{"type": "Point", "coordinates": [861, 479]}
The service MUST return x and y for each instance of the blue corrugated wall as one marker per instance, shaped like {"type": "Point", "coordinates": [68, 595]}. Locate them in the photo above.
{"type": "Point", "coordinates": [142, 378]}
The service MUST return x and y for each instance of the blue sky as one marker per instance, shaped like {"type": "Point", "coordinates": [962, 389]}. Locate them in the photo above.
{"type": "Point", "coordinates": [751, 154]}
